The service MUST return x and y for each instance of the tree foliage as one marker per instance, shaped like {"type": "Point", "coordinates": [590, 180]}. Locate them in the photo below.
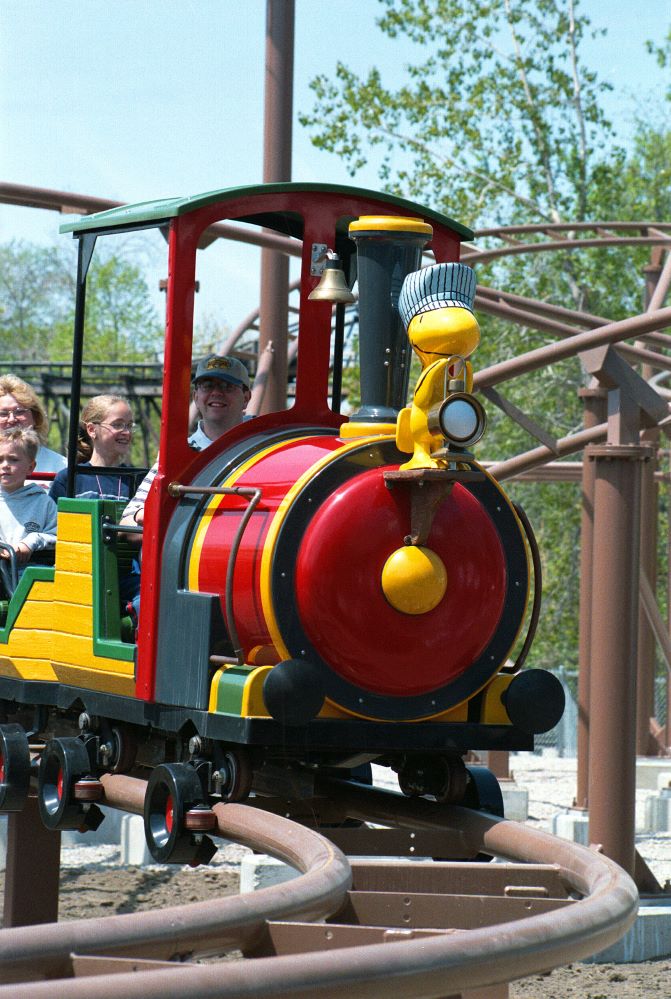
{"type": "Point", "coordinates": [498, 113]}
{"type": "Point", "coordinates": [37, 307]}
{"type": "Point", "coordinates": [498, 120]}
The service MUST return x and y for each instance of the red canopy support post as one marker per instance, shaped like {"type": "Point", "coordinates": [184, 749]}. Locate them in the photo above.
{"type": "Point", "coordinates": [279, 73]}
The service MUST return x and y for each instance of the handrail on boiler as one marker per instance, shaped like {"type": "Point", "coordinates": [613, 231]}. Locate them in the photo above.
{"type": "Point", "coordinates": [177, 490]}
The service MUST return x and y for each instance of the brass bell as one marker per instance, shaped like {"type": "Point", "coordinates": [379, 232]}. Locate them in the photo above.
{"type": "Point", "coordinates": [332, 285]}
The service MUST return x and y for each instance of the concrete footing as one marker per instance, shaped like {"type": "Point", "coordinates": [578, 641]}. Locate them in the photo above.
{"type": "Point", "coordinates": [658, 811]}
{"type": "Point", "coordinates": [260, 871]}
{"type": "Point", "coordinates": [650, 936]}
{"type": "Point", "coordinates": [133, 847]}
{"type": "Point", "coordinates": [107, 833]}
{"type": "Point", "coordinates": [572, 825]}
{"type": "Point", "coordinates": [648, 939]}
{"type": "Point", "coordinates": [515, 801]}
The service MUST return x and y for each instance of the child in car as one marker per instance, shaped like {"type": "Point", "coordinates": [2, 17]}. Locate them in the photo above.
{"type": "Point", "coordinates": [27, 514]}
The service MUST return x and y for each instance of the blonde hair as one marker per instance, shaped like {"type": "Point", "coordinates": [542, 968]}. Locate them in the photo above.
{"type": "Point", "coordinates": [93, 412]}
{"type": "Point", "coordinates": [26, 395]}
{"type": "Point", "coordinates": [25, 437]}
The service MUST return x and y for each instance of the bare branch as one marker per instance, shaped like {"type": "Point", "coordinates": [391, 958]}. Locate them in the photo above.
{"type": "Point", "coordinates": [577, 103]}
{"type": "Point", "coordinates": [454, 162]}
{"type": "Point", "coordinates": [540, 138]}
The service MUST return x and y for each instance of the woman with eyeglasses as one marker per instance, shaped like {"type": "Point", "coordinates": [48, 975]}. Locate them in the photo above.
{"type": "Point", "coordinates": [21, 407]}
{"type": "Point", "coordinates": [105, 433]}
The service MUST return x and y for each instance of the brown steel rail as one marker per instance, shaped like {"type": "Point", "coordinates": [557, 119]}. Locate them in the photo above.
{"type": "Point", "coordinates": [418, 929]}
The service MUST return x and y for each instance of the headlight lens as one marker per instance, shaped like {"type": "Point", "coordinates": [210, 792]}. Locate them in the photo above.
{"type": "Point", "coordinates": [460, 419]}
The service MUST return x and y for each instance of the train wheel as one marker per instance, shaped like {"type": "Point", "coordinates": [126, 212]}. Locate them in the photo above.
{"type": "Point", "coordinates": [483, 792]}
{"type": "Point", "coordinates": [175, 815]}
{"type": "Point", "coordinates": [64, 764]}
{"type": "Point", "coordinates": [236, 771]}
{"type": "Point", "coordinates": [444, 778]}
{"type": "Point", "coordinates": [124, 750]}
{"type": "Point", "coordinates": [14, 768]}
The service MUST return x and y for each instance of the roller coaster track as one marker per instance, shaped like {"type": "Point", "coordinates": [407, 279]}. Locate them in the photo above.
{"type": "Point", "coordinates": [440, 928]}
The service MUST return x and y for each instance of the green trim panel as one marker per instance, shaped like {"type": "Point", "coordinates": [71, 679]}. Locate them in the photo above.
{"type": "Point", "coordinates": [163, 210]}
{"type": "Point", "coordinates": [32, 574]}
{"type": "Point", "coordinates": [230, 689]}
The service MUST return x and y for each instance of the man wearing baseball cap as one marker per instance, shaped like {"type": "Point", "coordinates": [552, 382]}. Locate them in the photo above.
{"type": "Point", "coordinates": [221, 391]}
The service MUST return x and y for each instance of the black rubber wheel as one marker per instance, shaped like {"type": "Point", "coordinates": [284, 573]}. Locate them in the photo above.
{"type": "Point", "coordinates": [14, 768]}
{"type": "Point", "coordinates": [238, 769]}
{"type": "Point", "coordinates": [483, 792]}
{"type": "Point", "coordinates": [173, 789]}
{"type": "Point", "coordinates": [125, 750]}
{"type": "Point", "coordinates": [64, 762]}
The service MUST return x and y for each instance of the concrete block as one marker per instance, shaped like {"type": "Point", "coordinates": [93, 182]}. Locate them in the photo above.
{"type": "Point", "coordinates": [658, 811]}
{"type": "Point", "coordinates": [571, 825]}
{"type": "Point", "coordinates": [3, 842]}
{"type": "Point", "coordinates": [515, 801]}
{"type": "Point", "coordinates": [134, 849]}
{"type": "Point", "coordinates": [260, 871]}
{"type": "Point", "coordinates": [107, 833]}
{"type": "Point", "coordinates": [663, 780]}
{"type": "Point", "coordinates": [648, 771]}
{"type": "Point", "coordinates": [648, 939]}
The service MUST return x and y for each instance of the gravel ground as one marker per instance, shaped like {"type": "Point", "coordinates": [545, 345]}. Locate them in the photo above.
{"type": "Point", "coordinates": [94, 883]}
{"type": "Point", "coordinates": [551, 783]}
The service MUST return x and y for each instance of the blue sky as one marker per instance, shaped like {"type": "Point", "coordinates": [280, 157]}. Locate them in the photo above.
{"type": "Point", "coordinates": [136, 99]}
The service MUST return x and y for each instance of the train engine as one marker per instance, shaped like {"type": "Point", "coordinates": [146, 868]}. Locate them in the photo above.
{"type": "Point", "coordinates": [317, 593]}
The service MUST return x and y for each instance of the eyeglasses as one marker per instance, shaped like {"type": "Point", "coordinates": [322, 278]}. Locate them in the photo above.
{"type": "Point", "coordinates": [118, 425]}
{"type": "Point", "coordinates": [210, 384]}
{"type": "Point", "coordinates": [19, 414]}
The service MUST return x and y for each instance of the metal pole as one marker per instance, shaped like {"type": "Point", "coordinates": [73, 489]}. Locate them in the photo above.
{"type": "Point", "coordinates": [33, 869]}
{"type": "Point", "coordinates": [645, 661]}
{"type": "Point", "coordinates": [279, 73]}
{"type": "Point", "coordinates": [594, 403]}
{"type": "Point", "coordinates": [645, 665]}
{"type": "Point", "coordinates": [612, 731]}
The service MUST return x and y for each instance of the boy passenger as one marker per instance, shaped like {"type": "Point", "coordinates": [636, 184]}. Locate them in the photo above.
{"type": "Point", "coordinates": [27, 514]}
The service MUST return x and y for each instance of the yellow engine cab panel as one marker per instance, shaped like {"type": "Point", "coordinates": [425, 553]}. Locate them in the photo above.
{"type": "Point", "coordinates": [64, 622]}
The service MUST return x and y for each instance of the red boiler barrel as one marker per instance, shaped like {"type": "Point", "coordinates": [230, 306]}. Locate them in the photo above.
{"type": "Point", "coordinates": [308, 578]}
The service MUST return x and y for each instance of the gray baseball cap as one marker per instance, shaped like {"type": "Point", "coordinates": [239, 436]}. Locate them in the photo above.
{"type": "Point", "coordinates": [228, 369]}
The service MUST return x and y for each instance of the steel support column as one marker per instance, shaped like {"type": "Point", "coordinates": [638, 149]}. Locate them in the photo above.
{"type": "Point", "coordinates": [645, 666]}
{"type": "Point", "coordinates": [612, 730]}
{"type": "Point", "coordinates": [646, 659]}
{"type": "Point", "coordinates": [33, 869]}
{"type": "Point", "coordinates": [274, 327]}
{"type": "Point", "coordinates": [594, 414]}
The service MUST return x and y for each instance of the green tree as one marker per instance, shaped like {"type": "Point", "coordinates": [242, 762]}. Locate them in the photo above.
{"type": "Point", "coordinates": [121, 321]}
{"type": "Point", "coordinates": [37, 307]}
{"type": "Point", "coordinates": [35, 299]}
{"type": "Point", "coordinates": [498, 113]}
{"type": "Point", "coordinates": [499, 121]}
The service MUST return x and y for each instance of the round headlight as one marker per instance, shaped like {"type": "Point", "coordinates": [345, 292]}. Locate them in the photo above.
{"type": "Point", "coordinates": [460, 419]}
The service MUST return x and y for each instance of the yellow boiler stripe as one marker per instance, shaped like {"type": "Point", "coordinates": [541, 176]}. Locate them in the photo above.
{"type": "Point", "coordinates": [216, 501]}
{"type": "Point", "coordinates": [526, 552]}
{"type": "Point", "coordinates": [274, 529]}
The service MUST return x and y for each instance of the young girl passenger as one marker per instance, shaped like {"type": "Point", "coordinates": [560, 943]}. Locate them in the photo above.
{"type": "Point", "coordinates": [105, 433]}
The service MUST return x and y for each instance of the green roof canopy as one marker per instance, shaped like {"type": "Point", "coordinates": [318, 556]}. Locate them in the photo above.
{"type": "Point", "coordinates": [146, 212]}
